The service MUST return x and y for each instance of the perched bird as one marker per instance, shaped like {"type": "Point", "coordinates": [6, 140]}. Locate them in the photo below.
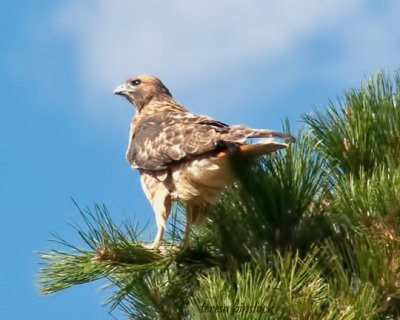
{"type": "Point", "coordinates": [183, 156]}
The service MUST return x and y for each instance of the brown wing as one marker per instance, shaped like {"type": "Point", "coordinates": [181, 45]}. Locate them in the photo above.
{"type": "Point", "coordinates": [169, 137]}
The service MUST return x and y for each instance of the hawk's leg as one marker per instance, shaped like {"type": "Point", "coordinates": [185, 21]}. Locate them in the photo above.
{"type": "Point", "coordinates": [196, 213]}
{"type": "Point", "coordinates": [162, 207]}
{"type": "Point", "coordinates": [159, 196]}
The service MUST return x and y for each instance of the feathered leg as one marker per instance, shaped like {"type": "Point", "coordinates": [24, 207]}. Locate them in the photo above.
{"type": "Point", "coordinates": [159, 197]}
{"type": "Point", "coordinates": [196, 213]}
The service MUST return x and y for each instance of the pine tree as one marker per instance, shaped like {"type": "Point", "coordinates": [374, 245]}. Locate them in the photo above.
{"type": "Point", "coordinates": [311, 232]}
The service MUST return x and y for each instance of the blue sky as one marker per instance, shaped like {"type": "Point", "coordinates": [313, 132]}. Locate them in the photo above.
{"type": "Point", "coordinates": [64, 134]}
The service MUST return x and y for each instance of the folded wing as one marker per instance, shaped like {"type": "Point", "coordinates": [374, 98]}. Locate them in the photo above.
{"type": "Point", "coordinates": [170, 137]}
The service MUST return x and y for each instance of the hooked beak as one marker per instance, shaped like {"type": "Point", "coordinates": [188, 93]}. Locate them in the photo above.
{"type": "Point", "coordinates": [121, 89]}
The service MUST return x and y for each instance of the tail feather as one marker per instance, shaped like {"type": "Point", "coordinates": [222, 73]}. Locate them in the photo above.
{"type": "Point", "coordinates": [258, 149]}
{"type": "Point", "coordinates": [264, 133]}
{"type": "Point", "coordinates": [241, 133]}
{"type": "Point", "coordinates": [245, 137]}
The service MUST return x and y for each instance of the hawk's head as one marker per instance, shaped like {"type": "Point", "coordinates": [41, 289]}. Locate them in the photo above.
{"type": "Point", "coordinates": [142, 89]}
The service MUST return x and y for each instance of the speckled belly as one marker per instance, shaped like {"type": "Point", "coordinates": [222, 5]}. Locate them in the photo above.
{"type": "Point", "coordinates": [200, 180]}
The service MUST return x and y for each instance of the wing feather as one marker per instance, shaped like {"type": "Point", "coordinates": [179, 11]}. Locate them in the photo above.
{"type": "Point", "coordinates": [169, 137]}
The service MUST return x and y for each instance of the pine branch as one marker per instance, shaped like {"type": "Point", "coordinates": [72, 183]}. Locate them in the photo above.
{"type": "Point", "coordinates": [61, 270]}
{"type": "Point", "coordinates": [364, 132]}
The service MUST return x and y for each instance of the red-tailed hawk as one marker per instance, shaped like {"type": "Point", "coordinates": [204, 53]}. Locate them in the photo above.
{"type": "Point", "coordinates": [181, 155]}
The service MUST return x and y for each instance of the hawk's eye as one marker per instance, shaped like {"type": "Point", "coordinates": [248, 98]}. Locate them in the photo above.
{"type": "Point", "coordinates": [135, 82]}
